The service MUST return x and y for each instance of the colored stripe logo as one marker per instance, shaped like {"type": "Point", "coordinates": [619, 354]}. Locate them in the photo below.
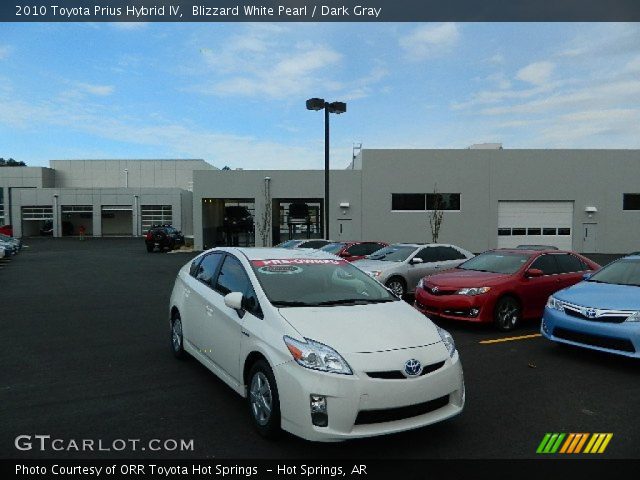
{"type": "Point", "coordinates": [573, 443]}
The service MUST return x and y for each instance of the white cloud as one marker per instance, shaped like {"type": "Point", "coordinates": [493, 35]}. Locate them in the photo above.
{"type": "Point", "coordinates": [5, 51]}
{"type": "Point", "coordinates": [497, 59]}
{"type": "Point", "coordinates": [99, 90]}
{"type": "Point", "coordinates": [537, 73]}
{"type": "Point", "coordinates": [430, 40]}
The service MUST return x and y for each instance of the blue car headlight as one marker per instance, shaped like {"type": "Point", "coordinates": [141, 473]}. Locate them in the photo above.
{"type": "Point", "coordinates": [635, 317]}
{"type": "Point", "coordinates": [555, 304]}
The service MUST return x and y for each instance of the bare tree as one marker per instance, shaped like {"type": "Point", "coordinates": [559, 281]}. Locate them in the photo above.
{"type": "Point", "coordinates": [436, 215]}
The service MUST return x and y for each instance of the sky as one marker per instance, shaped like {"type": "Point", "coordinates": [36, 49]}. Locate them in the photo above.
{"type": "Point", "coordinates": [234, 94]}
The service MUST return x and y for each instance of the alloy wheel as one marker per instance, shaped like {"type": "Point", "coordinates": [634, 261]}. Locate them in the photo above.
{"type": "Point", "coordinates": [261, 398]}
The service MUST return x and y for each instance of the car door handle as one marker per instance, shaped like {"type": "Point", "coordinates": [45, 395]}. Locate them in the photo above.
{"type": "Point", "coordinates": [209, 310]}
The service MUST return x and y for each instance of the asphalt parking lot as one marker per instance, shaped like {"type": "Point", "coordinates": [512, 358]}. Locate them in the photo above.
{"type": "Point", "coordinates": [85, 355]}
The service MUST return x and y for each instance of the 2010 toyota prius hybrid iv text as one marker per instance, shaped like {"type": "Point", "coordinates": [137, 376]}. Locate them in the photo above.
{"type": "Point", "coordinates": [316, 346]}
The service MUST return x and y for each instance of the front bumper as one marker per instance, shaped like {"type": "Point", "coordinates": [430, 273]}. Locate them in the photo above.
{"type": "Point", "coordinates": [454, 307]}
{"type": "Point", "coordinates": [351, 395]}
{"type": "Point", "coordinates": [618, 338]}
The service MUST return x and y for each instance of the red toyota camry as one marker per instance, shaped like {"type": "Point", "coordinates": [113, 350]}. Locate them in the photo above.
{"type": "Point", "coordinates": [501, 286]}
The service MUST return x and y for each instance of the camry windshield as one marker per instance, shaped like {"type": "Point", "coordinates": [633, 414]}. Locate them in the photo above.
{"type": "Point", "coordinates": [622, 272]}
{"type": "Point", "coordinates": [496, 262]}
{"type": "Point", "coordinates": [333, 247]}
{"type": "Point", "coordinates": [392, 253]}
{"type": "Point", "coordinates": [302, 282]}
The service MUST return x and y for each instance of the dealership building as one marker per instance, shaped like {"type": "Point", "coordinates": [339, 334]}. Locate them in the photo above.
{"type": "Point", "coordinates": [585, 200]}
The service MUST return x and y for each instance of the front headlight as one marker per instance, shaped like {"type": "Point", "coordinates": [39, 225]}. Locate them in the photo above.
{"type": "Point", "coordinates": [375, 273]}
{"type": "Point", "coordinates": [473, 291]}
{"type": "Point", "coordinates": [447, 339]}
{"type": "Point", "coordinates": [555, 304]}
{"type": "Point", "coordinates": [635, 317]}
{"type": "Point", "coordinates": [317, 356]}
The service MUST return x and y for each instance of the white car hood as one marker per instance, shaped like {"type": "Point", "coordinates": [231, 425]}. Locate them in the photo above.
{"type": "Point", "coordinates": [363, 328]}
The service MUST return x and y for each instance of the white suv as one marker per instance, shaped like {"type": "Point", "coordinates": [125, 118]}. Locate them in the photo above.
{"type": "Point", "coordinates": [317, 347]}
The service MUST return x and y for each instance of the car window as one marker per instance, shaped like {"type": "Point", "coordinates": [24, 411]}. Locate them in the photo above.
{"type": "Point", "coordinates": [334, 248]}
{"type": "Point", "coordinates": [496, 262]}
{"type": "Point", "coordinates": [569, 263]}
{"type": "Point", "coordinates": [448, 253]}
{"type": "Point", "coordinates": [233, 278]}
{"type": "Point", "coordinates": [393, 253]}
{"type": "Point", "coordinates": [360, 249]}
{"type": "Point", "coordinates": [206, 270]}
{"type": "Point", "coordinates": [429, 254]}
{"type": "Point", "coordinates": [546, 263]}
{"type": "Point", "coordinates": [625, 271]}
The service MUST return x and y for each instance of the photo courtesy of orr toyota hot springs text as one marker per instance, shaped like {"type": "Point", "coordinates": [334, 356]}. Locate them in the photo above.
{"type": "Point", "coordinates": [285, 239]}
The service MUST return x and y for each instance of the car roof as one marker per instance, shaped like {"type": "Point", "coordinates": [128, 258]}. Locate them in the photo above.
{"type": "Point", "coordinates": [266, 253]}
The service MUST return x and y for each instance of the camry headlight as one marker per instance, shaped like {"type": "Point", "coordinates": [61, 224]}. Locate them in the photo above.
{"type": "Point", "coordinates": [447, 339]}
{"type": "Point", "coordinates": [317, 356]}
{"type": "Point", "coordinates": [634, 317]}
{"type": "Point", "coordinates": [555, 304]}
{"type": "Point", "coordinates": [473, 291]}
{"type": "Point", "coordinates": [375, 273]}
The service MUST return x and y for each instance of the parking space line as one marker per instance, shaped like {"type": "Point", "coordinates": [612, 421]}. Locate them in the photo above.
{"type": "Point", "coordinates": [510, 339]}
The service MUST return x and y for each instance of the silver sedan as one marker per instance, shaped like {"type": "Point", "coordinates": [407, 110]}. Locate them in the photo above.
{"type": "Point", "coordinates": [401, 266]}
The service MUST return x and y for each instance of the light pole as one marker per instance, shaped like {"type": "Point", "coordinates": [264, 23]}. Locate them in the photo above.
{"type": "Point", "coordinates": [333, 107]}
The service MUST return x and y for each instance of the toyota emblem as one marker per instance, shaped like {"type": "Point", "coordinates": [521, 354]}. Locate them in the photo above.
{"type": "Point", "coordinates": [412, 367]}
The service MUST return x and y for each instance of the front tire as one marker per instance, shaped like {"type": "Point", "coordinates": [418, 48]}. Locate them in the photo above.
{"type": "Point", "coordinates": [397, 286]}
{"type": "Point", "coordinates": [177, 338]}
{"type": "Point", "coordinates": [507, 314]}
{"type": "Point", "coordinates": [263, 400]}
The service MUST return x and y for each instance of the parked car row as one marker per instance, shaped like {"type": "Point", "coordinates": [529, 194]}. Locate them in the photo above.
{"type": "Point", "coordinates": [318, 347]}
{"type": "Point", "coordinates": [9, 245]}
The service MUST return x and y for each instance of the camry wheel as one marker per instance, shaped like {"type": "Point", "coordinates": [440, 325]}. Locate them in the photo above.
{"type": "Point", "coordinates": [396, 285]}
{"type": "Point", "coordinates": [177, 339]}
{"type": "Point", "coordinates": [507, 314]}
{"type": "Point", "coordinates": [263, 400]}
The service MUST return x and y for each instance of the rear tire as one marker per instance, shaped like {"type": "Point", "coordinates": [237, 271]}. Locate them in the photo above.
{"type": "Point", "coordinates": [507, 314]}
{"type": "Point", "coordinates": [263, 400]}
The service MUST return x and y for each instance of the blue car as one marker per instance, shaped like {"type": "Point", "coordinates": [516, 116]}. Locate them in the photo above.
{"type": "Point", "coordinates": [602, 313]}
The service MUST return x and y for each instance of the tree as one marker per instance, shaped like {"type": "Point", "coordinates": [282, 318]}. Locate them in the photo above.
{"type": "Point", "coordinates": [436, 215]}
{"type": "Point", "coordinates": [11, 163]}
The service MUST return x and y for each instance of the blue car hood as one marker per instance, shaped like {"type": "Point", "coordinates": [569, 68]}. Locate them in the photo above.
{"type": "Point", "coordinates": [602, 295]}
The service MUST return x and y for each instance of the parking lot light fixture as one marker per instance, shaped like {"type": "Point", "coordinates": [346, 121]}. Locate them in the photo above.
{"type": "Point", "coordinates": [337, 108]}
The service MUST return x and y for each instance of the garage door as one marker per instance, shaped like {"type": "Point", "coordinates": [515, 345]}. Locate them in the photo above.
{"type": "Point", "coordinates": [539, 223]}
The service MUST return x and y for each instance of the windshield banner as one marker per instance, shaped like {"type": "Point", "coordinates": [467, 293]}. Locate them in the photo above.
{"type": "Point", "coordinates": [298, 261]}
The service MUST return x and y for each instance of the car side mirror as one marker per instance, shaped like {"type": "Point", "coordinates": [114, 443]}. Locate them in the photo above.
{"type": "Point", "coordinates": [234, 300]}
{"type": "Point", "coordinates": [587, 275]}
{"type": "Point", "coordinates": [415, 260]}
{"type": "Point", "coordinates": [534, 273]}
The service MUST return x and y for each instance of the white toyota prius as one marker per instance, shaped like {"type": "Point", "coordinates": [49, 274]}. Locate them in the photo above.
{"type": "Point", "coordinates": [318, 348]}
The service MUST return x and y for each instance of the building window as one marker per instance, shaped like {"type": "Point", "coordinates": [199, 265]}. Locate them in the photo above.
{"type": "Point", "coordinates": [549, 231]}
{"type": "Point", "coordinates": [504, 232]}
{"type": "Point", "coordinates": [631, 201]}
{"type": "Point", "coordinates": [420, 202]}
{"type": "Point", "coordinates": [408, 201]}
{"type": "Point", "coordinates": [534, 231]}
{"type": "Point", "coordinates": [564, 231]}
{"type": "Point", "coordinates": [519, 231]}
{"type": "Point", "coordinates": [443, 201]}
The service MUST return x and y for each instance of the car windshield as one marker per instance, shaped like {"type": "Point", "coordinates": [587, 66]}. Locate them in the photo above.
{"type": "Point", "coordinates": [333, 247]}
{"type": "Point", "coordinates": [496, 262]}
{"type": "Point", "coordinates": [622, 272]}
{"type": "Point", "coordinates": [302, 282]}
{"type": "Point", "coordinates": [392, 253]}
{"type": "Point", "coordinates": [288, 244]}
